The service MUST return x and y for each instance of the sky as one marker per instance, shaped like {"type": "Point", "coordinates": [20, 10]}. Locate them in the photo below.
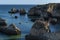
{"type": "Point", "coordinates": [28, 1]}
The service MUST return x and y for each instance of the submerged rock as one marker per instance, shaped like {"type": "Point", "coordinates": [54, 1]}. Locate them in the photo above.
{"type": "Point", "coordinates": [22, 11]}
{"type": "Point", "coordinates": [3, 22]}
{"type": "Point", "coordinates": [19, 22]}
{"type": "Point", "coordinates": [13, 11]}
{"type": "Point", "coordinates": [11, 30]}
{"type": "Point", "coordinates": [16, 17]}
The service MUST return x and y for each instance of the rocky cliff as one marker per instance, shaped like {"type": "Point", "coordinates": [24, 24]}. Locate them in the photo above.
{"type": "Point", "coordinates": [46, 10]}
{"type": "Point", "coordinates": [40, 30]}
{"type": "Point", "coordinates": [53, 8]}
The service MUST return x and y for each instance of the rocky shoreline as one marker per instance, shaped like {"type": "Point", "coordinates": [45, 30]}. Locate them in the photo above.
{"type": "Point", "coordinates": [45, 11]}
{"type": "Point", "coordinates": [42, 16]}
{"type": "Point", "coordinates": [9, 30]}
{"type": "Point", "coordinates": [40, 31]}
{"type": "Point", "coordinates": [50, 15]}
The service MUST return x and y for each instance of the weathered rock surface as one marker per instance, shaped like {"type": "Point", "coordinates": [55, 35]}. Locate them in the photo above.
{"type": "Point", "coordinates": [45, 36]}
{"type": "Point", "coordinates": [45, 11]}
{"type": "Point", "coordinates": [22, 11]}
{"type": "Point", "coordinates": [13, 11]}
{"type": "Point", "coordinates": [10, 30]}
{"type": "Point", "coordinates": [40, 31]}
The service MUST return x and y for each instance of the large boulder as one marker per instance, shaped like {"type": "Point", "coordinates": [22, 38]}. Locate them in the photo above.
{"type": "Point", "coordinates": [22, 11]}
{"type": "Point", "coordinates": [37, 12]}
{"type": "Point", "coordinates": [11, 30]}
{"type": "Point", "coordinates": [13, 11]}
{"type": "Point", "coordinates": [46, 11]}
{"type": "Point", "coordinates": [40, 31]}
{"type": "Point", "coordinates": [39, 27]}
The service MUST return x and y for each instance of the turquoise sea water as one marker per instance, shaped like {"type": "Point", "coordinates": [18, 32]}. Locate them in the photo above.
{"type": "Point", "coordinates": [25, 25]}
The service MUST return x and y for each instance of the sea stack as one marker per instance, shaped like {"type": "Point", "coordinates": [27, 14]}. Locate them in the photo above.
{"type": "Point", "coordinates": [13, 11]}
{"type": "Point", "coordinates": [22, 11]}
{"type": "Point", "coordinates": [34, 12]}
{"type": "Point", "coordinates": [40, 31]}
{"type": "Point", "coordinates": [13, 30]}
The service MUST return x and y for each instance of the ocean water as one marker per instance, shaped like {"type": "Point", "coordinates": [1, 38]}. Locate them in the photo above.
{"type": "Point", "coordinates": [25, 25]}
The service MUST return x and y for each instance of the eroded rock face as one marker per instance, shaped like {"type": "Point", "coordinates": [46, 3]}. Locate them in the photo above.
{"type": "Point", "coordinates": [15, 30]}
{"type": "Point", "coordinates": [22, 11]}
{"type": "Point", "coordinates": [45, 11]}
{"type": "Point", "coordinates": [40, 31]}
{"type": "Point", "coordinates": [39, 27]}
{"type": "Point", "coordinates": [13, 11]}
{"type": "Point", "coordinates": [10, 30]}
{"type": "Point", "coordinates": [54, 8]}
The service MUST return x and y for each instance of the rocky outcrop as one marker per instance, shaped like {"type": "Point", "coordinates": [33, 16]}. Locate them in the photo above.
{"type": "Point", "coordinates": [16, 17]}
{"type": "Point", "coordinates": [3, 22]}
{"type": "Point", "coordinates": [37, 10]}
{"type": "Point", "coordinates": [45, 36]}
{"type": "Point", "coordinates": [54, 8]}
{"type": "Point", "coordinates": [50, 10]}
{"type": "Point", "coordinates": [11, 30]}
{"type": "Point", "coordinates": [39, 27]}
{"type": "Point", "coordinates": [22, 11]}
{"type": "Point", "coordinates": [13, 11]}
{"type": "Point", "coordinates": [40, 31]}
